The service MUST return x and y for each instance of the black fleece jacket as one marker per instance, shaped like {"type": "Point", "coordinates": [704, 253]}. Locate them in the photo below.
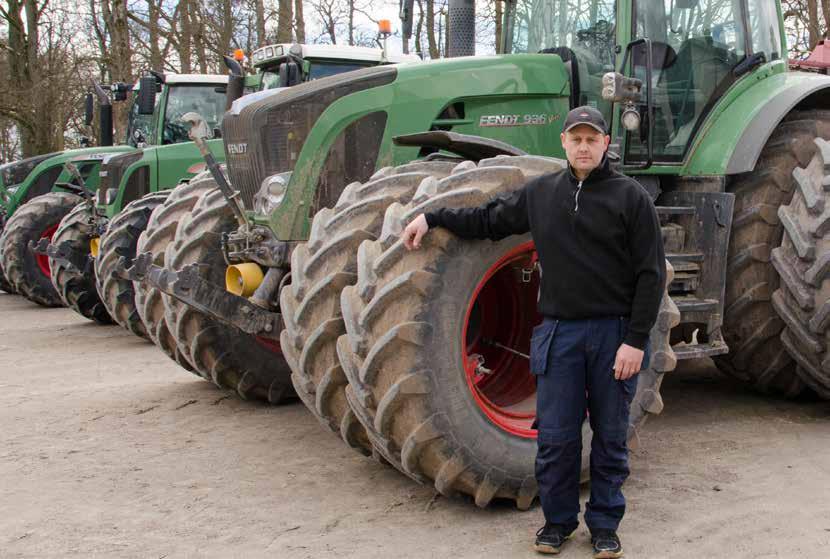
{"type": "Point", "coordinates": [598, 240]}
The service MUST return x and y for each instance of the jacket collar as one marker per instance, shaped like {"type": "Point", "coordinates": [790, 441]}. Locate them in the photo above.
{"type": "Point", "coordinates": [600, 171]}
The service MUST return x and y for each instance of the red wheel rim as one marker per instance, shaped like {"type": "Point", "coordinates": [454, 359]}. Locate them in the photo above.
{"type": "Point", "coordinates": [271, 345]}
{"type": "Point", "coordinates": [42, 259]}
{"type": "Point", "coordinates": [502, 310]}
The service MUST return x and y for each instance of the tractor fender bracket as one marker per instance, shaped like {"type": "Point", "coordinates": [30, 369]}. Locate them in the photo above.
{"type": "Point", "coordinates": [474, 148]}
{"type": "Point", "coordinates": [64, 254]}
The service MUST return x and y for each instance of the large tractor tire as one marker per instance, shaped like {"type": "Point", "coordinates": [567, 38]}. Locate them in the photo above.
{"type": "Point", "coordinates": [429, 352]}
{"type": "Point", "coordinates": [5, 284]}
{"type": "Point", "coordinates": [160, 232]}
{"type": "Point", "coordinates": [751, 326]}
{"type": "Point", "coordinates": [28, 272]}
{"type": "Point", "coordinates": [121, 239]}
{"type": "Point", "coordinates": [254, 368]}
{"type": "Point", "coordinates": [803, 262]}
{"type": "Point", "coordinates": [75, 286]}
{"type": "Point", "coordinates": [320, 268]}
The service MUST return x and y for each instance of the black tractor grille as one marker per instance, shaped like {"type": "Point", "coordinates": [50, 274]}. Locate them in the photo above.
{"type": "Point", "coordinates": [266, 137]}
{"type": "Point", "coordinates": [112, 170]}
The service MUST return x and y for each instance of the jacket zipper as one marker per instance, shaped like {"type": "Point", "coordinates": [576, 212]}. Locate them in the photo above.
{"type": "Point", "coordinates": [576, 197]}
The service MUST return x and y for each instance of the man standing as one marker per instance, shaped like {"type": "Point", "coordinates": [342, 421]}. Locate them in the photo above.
{"type": "Point", "coordinates": [598, 237]}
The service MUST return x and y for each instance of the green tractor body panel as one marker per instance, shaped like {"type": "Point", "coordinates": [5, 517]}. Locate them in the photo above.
{"type": "Point", "coordinates": [156, 168]}
{"type": "Point", "coordinates": [51, 173]}
{"type": "Point", "coordinates": [520, 100]}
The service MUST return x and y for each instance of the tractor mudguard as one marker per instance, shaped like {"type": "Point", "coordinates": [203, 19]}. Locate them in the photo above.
{"type": "Point", "coordinates": [756, 134]}
{"type": "Point", "coordinates": [734, 133]}
{"type": "Point", "coordinates": [474, 148]}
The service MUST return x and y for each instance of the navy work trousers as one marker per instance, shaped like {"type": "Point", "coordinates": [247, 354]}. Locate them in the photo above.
{"type": "Point", "coordinates": [573, 361]}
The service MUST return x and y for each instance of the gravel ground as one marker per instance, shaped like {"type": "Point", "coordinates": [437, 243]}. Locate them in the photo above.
{"type": "Point", "coordinates": [108, 449]}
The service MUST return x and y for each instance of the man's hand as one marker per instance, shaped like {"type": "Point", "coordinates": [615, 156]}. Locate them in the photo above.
{"type": "Point", "coordinates": [628, 361]}
{"type": "Point", "coordinates": [414, 232]}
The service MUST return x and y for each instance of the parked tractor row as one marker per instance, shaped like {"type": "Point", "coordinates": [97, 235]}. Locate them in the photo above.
{"type": "Point", "coordinates": [275, 270]}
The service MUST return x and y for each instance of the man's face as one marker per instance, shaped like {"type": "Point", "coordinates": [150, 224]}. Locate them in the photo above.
{"type": "Point", "coordinates": [584, 147]}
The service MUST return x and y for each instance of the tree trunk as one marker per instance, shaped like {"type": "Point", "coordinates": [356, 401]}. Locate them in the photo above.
{"type": "Point", "coordinates": [433, 45]}
{"type": "Point", "coordinates": [226, 37]}
{"type": "Point", "coordinates": [197, 20]}
{"type": "Point", "coordinates": [121, 61]}
{"type": "Point", "coordinates": [284, 21]}
{"type": "Point", "coordinates": [185, 37]}
{"type": "Point", "coordinates": [156, 61]}
{"type": "Point", "coordinates": [419, 27]}
{"type": "Point", "coordinates": [299, 26]}
{"type": "Point", "coordinates": [351, 22]}
{"type": "Point", "coordinates": [499, 15]}
{"type": "Point", "coordinates": [259, 6]}
{"type": "Point", "coordinates": [812, 23]}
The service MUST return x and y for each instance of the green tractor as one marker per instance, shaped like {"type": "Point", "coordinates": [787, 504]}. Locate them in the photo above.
{"type": "Point", "coordinates": [420, 358]}
{"type": "Point", "coordinates": [21, 181]}
{"type": "Point", "coordinates": [136, 181]}
{"type": "Point", "coordinates": [278, 67]}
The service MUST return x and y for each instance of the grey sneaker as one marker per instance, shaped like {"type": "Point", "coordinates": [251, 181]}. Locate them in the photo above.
{"type": "Point", "coordinates": [606, 544]}
{"type": "Point", "coordinates": [550, 538]}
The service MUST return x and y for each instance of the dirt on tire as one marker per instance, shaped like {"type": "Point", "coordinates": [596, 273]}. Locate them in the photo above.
{"type": "Point", "coordinates": [751, 326]}
{"type": "Point", "coordinates": [159, 233]}
{"type": "Point", "coordinates": [803, 263]}
{"type": "Point", "coordinates": [251, 367]}
{"type": "Point", "coordinates": [320, 268]}
{"type": "Point", "coordinates": [121, 240]}
{"type": "Point", "coordinates": [76, 286]}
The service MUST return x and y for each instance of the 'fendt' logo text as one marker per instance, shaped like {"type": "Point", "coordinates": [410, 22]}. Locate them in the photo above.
{"type": "Point", "coordinates": [237, 149]}
{"type": "Point", "coordinates": [517, 120]}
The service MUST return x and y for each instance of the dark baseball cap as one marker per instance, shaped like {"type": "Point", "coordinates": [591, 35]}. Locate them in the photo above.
{"type": "Point", "coordinates": [585, 115]}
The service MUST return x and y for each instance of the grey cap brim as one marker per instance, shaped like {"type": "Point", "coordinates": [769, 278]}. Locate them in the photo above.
{"type": "Point", "coordinates": [592, 125]}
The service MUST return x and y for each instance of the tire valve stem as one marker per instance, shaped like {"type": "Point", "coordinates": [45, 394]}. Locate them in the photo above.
{"type": "Point", "coordinates": [527, 273]}
{"type": "Point", "coordinates": [480, 368]}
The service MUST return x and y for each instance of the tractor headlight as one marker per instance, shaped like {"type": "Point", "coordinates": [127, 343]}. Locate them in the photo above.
{"type": "Point", "coordinates": [110, 196]}
{"type": "Point", "coordinates": [630, 119]}
{"type": "Point", "coordinates": [271, 193]}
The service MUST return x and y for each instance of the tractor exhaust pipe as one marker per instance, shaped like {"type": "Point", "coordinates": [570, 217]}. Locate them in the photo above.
{"type": "Point", "coordinates": [461, 29]}
{"type": "Point", "coordinates": [105, 115]}
{"type": "Point", "coordinates": [236, 81]}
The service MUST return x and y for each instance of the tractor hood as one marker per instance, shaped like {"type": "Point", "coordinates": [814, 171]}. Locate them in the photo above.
{"type": "Point", "coordinates": [264, 135]}
{"type": "Point", "coordinates": [16, 171]}
{"type": "Point", "coordinates": [336, 130]}
{"type": "Point", "coordinates": [48, 169]}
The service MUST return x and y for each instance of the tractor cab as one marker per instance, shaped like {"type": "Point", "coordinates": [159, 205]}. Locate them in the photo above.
{"type": "Point", "coordinates": [285, 65]}
{"type": "Point", "coordinates": [180, 94]}
{"type": "Point", "coordinates": [699, 48]}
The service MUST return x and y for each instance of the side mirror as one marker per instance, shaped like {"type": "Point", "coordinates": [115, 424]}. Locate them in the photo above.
{"type": "Point", "coordinates": [146, 95]}
{"type": "Point", "coordinates": [289, 74]}
{"type": "Point", "coordinates": [89, 109]}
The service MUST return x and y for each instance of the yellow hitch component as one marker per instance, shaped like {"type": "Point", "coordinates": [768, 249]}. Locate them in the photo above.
{"type": "Point", "coordinates": [94, 246]}
{"type": "Point", "coordinates": [243, 279]}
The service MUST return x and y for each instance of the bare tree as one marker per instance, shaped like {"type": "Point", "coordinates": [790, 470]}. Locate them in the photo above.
{"type": "Point", "coordinates": [284, 21]}
{"type": "Point", "coordinates": [39, 65]}
{"type": "Point", "coordinates": [299, 21]}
